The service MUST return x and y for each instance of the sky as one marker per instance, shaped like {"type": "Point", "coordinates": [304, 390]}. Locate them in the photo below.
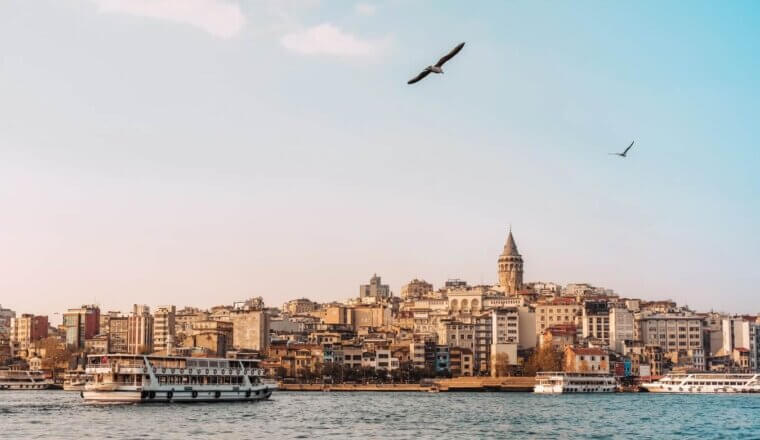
{"type": "Point", "coordinates": [199, 152]}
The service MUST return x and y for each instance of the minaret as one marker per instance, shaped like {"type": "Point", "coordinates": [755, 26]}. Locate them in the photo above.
{"type": "Point", "coordinates": [510, 267]}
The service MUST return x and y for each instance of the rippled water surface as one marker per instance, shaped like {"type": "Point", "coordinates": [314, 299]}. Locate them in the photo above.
{"type": "Point", "coordinates": [62, 415]}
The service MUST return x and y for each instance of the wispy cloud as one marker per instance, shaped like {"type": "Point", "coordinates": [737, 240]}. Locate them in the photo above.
{"type": "Point", "coordinates": [365, 9]}
{"type": "Point", "coordinates": [328, 39]}
{"type": "Point", "coordinates": [217, 17]}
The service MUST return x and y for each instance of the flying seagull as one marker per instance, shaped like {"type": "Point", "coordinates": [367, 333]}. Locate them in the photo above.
{"type": "Point", "coordinates": [625, 152]}
{"type": "Point", "coordinates": [437, 67]}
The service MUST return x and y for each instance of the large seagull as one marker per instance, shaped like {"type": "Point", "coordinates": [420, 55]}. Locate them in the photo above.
{"type": "Point", "coordinates": [625, 152]}
{"type": "Point", "coordinates": [437, 67]}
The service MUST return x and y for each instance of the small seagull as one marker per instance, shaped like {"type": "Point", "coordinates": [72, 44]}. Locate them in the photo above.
{"type": "Point", "coordinates": [625, 152]}
{"type": "Point", "coordinates": [437, 67]}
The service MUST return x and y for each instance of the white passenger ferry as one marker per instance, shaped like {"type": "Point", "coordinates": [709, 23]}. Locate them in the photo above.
{"type": "Point", "coordinates": [23, 380]}
{"type": "Point", "coordinates": [74, 380]}
{"type": "Point", "coordinates": [138, 378]}
{"type": "Point", "coordinates": [560, 382]}
{"type": "Point", "coordinates": [705, 383]}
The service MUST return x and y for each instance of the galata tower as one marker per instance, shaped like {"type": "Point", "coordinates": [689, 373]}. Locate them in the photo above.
{"type": "Point", "coordinates": [510, 267]}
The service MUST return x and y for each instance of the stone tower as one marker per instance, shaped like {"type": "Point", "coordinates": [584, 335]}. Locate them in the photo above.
{"type": "Point", "coordinates": [510, 267]}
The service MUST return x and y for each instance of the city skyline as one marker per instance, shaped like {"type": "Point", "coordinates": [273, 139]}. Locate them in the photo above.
{"type": "Point", "coordinates": [233, 150]}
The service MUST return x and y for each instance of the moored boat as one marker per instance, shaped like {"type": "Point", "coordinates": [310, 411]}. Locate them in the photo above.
{"type": "Point", "coordinates": [561, 382]}
{"type": "Point", "coordinates": [23, 380]}
{"type": "Point", "coordinates": [129, 378]}
{"type": "Point", "coordinates": [701, 383]}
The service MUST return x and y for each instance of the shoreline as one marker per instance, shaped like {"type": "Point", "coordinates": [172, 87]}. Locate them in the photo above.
{"type": "Point", "coordinates": [483, 384]}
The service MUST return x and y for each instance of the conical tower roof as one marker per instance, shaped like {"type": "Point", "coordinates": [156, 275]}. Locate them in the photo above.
{"type": "Point", "coordinates": [510, 248]}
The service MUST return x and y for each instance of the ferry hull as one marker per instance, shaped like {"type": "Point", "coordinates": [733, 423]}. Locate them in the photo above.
{"type": "Point", "coordinates": [168, 396]}
{"type": "Point", "coordinates": [656, 388]}
{"type": "Point", "coordinates": [26, 386]}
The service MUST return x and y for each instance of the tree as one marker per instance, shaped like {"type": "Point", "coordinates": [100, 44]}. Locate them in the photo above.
{"type": "Point", "coordinates": [57, 354]}
{"type": "Point", "coordinates": [547, 358]}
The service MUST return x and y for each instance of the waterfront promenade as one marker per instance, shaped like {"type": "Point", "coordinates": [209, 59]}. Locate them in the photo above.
{"type": "Point", "coordinates": [513, 384]}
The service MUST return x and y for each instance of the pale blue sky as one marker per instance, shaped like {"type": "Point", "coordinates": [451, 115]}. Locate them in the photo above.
{"type": "Point", "coordinates": [198, 152]}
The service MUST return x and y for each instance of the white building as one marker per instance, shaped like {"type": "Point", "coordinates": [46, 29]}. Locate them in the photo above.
{"type": "Point", "coordinates": [621, 327]}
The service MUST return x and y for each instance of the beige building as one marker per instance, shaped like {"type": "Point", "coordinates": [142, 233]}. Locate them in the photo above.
{"type": "Point", "coordinates": [558, 311]}
{"type": "Point", "coordinates": [335, 314]}
{"type": "Point", "coordinates": [375, 315]}
{"type": "Point", "coordinates": [671, 332]}
{"type": "Point", "coordinates": [510, 267]}
{"type": "Point", "coordinates": [461, 361]}
{"type": "Point", "coordinates": [97, 344]}
{"type": "Point", "coordinates": [140, 330]}
{"type": "Point", "coordinates": [466, 301]}
{"type": "Point", "coordinates": [416, 289]}
{"type": "Point", "coordinates": [586, 360]}
{"type": "Point", "coordinates": [26, 329]}
{"type": "Point", "coordinates": [456, 334]}
{"type": "Point", "coordinates": [250, 329]}
{"type": "Point", "coordinates": [299, 306]}
{"type": "Point", "coordinates": [164, 327]}
{"type": "Point", "coordinates": [214, 336]}
{"type": "Point", "coordinates": [375, 291]}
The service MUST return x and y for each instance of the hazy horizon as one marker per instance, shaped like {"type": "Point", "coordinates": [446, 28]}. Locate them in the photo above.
{"type": "Point", "coordinates": [207, 151]}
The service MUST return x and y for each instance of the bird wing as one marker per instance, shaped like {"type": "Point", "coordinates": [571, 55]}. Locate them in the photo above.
{"type": "Point", "coordinates": [422, 74]}
{"type": "Point", "coordinates": [449, 55]}
{"type": "Point", "coordinates": [629, 147]}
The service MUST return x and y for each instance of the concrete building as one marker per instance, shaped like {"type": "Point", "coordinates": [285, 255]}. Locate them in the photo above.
{"type": "Point", "coordinates": [6, 317]}
{"type": "Point", "coordinates": [621, 327]}
{"type": "Point", "coordinates": [557, 311]}
{"type": "Point", "coordinates": [741, 340]}
{"type": "Point", "coordinates": [299, 306]}
{"type": "Point", "coordinates": [118, 333]}
{"type": "Point", "coordinates": [214, 336]}
{"type": "Point", "coordinates": [416, 289]}
{"type": "Point", "coordinates": [336, 314]}
{"type": "Point", "coordinates": [81, 324]}
{"type": "Point", "coordinates": [442, 359]}
{"type": "Point", "coordinates": [671, 332]}
{"type": "Point", "coordinates": [375, 291]}
{"type": "Point", "coordinates": [164, 328]}
{"type": "Point", "coordinates": [27, 329]}
{"type": "Point", "coordinates": [461, 361]}
{"type": "Point", "coordinates": [140, 330]}
{"type": "Point", "coordinates": [505, 336]}
{"type": "Point", "coordinates": [510, 267]}
{"type": "Point", "coordinates": [596, 321]}
{"type": "Point", "coordinates": [456, 334]}
{"type": "Point", "coordinates": [250, 329]}
{"type": "Point", "coordinates": [370, 315]}
{"type": "Point", "coordinates": [98, 344]}
{"type": "Point", "coordinates": [417, 354]}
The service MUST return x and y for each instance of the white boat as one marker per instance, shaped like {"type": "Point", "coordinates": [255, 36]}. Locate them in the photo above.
{"type": "Point", "coordinates": [74, 380]}
{"type": "Point", "coordinates": [23, 380]}
{"type": "Point", "coordinates": [123, 378]}
{"type": "Point", "coordinates": [705, 383]}
{"type": "Point", "coordinates": [561, 382]}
